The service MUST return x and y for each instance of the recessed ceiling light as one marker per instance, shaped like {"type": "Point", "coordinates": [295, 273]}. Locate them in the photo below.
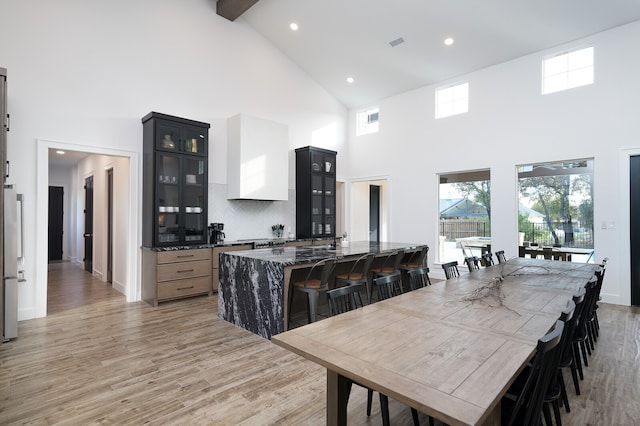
{"type": "Point", "coordinates": [293, 26]}
{"type": "Point", "coordinates": [350, 80]}
{"type": "Point", "coordinates": [60, 152]}
{"type": "Point", "coordinates": [448, 41]}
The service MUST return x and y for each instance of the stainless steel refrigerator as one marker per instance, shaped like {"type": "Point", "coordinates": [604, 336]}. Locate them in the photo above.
{"type": "Point", "coordinates": [4, 129]}
{"type": "Point", "coordinates": [12, 247]}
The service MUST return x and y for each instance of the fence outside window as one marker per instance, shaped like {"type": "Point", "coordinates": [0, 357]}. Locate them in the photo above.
{"type": "Point", "coordinates": [581, 237]}
{"type": "Point", "coordinates": [454, 229]}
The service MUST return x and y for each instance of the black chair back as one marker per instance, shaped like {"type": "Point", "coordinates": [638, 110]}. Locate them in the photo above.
{"type": "Point", "coordinates": [361, 266]}
{"type": "Point", "coordinates": [388, 286]}
{"type": "Point", "coordinates": [416, 258]}
{"type": "Point", "coordinates": [344, 299]}
{"type": "Point", "coordinates": [528, 405]}
{"type": "Point", "coordinates": [418, 278]}
{"type": "Point", "coordinates": [451, 269]}
{"type": "Point", "coordinates": [486, 259]}
{"type": "Point", "coordinates": [472, 263]}
{"type": "Point", "coordinates": [501, 257]}
{"type": "Point", "coordinates": [326, 267]}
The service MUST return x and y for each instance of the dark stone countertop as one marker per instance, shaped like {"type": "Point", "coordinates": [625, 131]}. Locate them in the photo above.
{"type": "Point", "coordinates": [308, 254]}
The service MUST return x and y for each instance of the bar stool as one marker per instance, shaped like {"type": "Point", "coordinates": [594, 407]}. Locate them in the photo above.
{"type": "Point", "coordinates": [390, 266]}
{"type": "Point", "coordinates": [359, 274]}
{"type": "Point", "coordinates": [312, 286]}
{"type": "Point", "coordinates": [412, 261]}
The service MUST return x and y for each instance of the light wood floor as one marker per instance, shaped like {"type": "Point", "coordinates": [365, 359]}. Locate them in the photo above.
{"type": "Point", "coordinates": [97, 359]}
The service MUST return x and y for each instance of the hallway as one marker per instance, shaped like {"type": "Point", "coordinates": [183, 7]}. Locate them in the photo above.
{"type": "Point", "coordinates": [69, 286]}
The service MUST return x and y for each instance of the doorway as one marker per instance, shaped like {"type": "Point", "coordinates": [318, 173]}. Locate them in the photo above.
{"type": "Point", "coordinates": [126, 221]}
{"type": "Point", "coordinates": [364, 217]}
{"type": "Point", "coordinates": [110, 225]}
{"type": "Point", "coordinates": [56, 222]}
{"type": "Point", "coordinates": [374, 213]}
{"type": "Point", "coordinates": [634, 227]}
{"type": "Point", "coordinates": [88, 224]}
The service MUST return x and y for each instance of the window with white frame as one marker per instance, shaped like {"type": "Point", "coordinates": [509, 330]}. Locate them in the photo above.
{"type": "Point", "coordinates": [567, 70]}
{"type": "Point", "coordinates": [368, 121]}
{"type": "Point", "coordinates": [452, 100]}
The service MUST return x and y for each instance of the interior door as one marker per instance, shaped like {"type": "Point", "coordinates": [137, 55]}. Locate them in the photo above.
{"type": "Point", "coordinates": [634, 226]}
{"type": "Point", "coordinates": [374, 213]}
{"type": "Point", "coordinates": [56, 215]}
{"type": "Point", "coordinates": [110, 225]}
{"type": "Point", "coordinates": [88, 224]}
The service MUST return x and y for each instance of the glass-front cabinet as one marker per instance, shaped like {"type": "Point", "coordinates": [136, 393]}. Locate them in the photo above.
{"type": "Point", "coordinates": [175, 181]}
{"type": "Point", "coordinates": [315, 192]}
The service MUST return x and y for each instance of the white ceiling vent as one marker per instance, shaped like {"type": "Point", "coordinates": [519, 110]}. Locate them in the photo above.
{"type": "Point", "coordinates": [396, 42]}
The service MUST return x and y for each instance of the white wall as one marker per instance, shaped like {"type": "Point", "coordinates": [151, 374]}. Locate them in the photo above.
{"type": "Point", "coordinates": [510, 123]}
{"type": "Point", "coordinates": [85, 74]}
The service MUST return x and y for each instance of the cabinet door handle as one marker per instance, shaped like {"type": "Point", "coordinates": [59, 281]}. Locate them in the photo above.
{"type": "Point", "coordinates": [186, 255]}
{"type": "Point", "coordinates": [185, 288]}
{"type": "Point", "coordinates": [186, 270]}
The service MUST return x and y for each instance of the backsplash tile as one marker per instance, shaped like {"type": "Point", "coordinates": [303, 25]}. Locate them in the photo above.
{"type": "Point", "coordinates": [244, 219]}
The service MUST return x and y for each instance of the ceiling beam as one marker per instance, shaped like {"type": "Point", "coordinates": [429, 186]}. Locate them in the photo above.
{"type": "Point", "coordinates": [232, 9]}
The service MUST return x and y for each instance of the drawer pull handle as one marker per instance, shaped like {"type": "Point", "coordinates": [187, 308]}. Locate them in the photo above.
{"type": "Point", "coordinates": [185, 288]}
{"type": "Point", "coordinates": [186, 255]}
{"type": "Point", "coordinates": [186, 270]}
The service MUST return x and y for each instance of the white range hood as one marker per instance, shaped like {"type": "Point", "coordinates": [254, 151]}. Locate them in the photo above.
{"type": "Point", "coordinates": [257, 159]}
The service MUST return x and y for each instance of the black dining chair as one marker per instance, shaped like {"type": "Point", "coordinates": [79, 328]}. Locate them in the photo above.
{"type": "Point", "coordinates": [568, 355]}
{"type": "Point", "coordinates": [603, 265]}
{"type": "Point", "coordinates": [580, 339]}
{"type": "Point", "coordinates": [501, 257]}
{"type": "Point", "coordinates": [418, 278]}
{"type": "Point", "coordinates": [451, 269]}
{"type": "Point", "coordinates": [388, 286]}
{"type": "Point", "coordinates": [415, 259]}
{"type": "Point", "coordinates": [486, 259]}
{"type": "Point", "coordinates": [390, 266]}
{"type": "Point", "coordinates": [556, 388]}
{"type": "Point", "coordinates": [345, 299]}
{"type": "Point", "coordinates": [591, 317]}
{"type": "Point", "coordinates": [472, 262]}
{"type": "Point", "coordinates": [522, 404]}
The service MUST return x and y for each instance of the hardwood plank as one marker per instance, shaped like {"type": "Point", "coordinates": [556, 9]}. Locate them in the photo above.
{"type": "Point", "coordinates": [98, 359]}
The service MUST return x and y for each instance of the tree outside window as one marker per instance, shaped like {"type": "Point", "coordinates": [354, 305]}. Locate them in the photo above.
{"type": "Point", "coordinates": [465, 214]}
{"type": "Point", "coordinates": [558, 203]}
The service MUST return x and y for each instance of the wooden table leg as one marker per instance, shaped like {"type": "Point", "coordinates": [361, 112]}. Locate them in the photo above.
{"type": "Point", "coordinates": [337, 398]}
{"type": "Point", "coordinates": [494, 418]}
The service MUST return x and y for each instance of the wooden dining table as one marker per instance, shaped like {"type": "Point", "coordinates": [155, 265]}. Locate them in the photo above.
{"type": "Point", "coordinates": [450, 350]}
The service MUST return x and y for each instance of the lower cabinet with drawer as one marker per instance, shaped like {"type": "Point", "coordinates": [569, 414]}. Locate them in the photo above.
{"type": "Point", "coordinates": [175, 274]}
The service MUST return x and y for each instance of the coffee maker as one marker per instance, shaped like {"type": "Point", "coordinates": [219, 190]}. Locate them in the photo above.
{"type": "Point", "coordinates": [216, 236]}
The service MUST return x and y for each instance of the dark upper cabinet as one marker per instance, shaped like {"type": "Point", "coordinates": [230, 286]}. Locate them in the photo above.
{"type": "Point", "coordinates": [175, 183]}
{"type": "Point", "coordinates": [315, 192]}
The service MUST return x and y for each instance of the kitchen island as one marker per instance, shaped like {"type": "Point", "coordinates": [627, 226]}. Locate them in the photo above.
{"type": "Point", "coordinates": [254, 284]}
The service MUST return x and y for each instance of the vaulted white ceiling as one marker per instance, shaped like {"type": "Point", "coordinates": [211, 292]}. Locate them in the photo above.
{"type": "Point", "coordinates": [337, 39]}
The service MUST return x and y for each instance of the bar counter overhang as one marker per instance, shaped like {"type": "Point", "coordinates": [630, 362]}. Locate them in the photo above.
{"type": "Point", "coordinates": [254, 284]}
